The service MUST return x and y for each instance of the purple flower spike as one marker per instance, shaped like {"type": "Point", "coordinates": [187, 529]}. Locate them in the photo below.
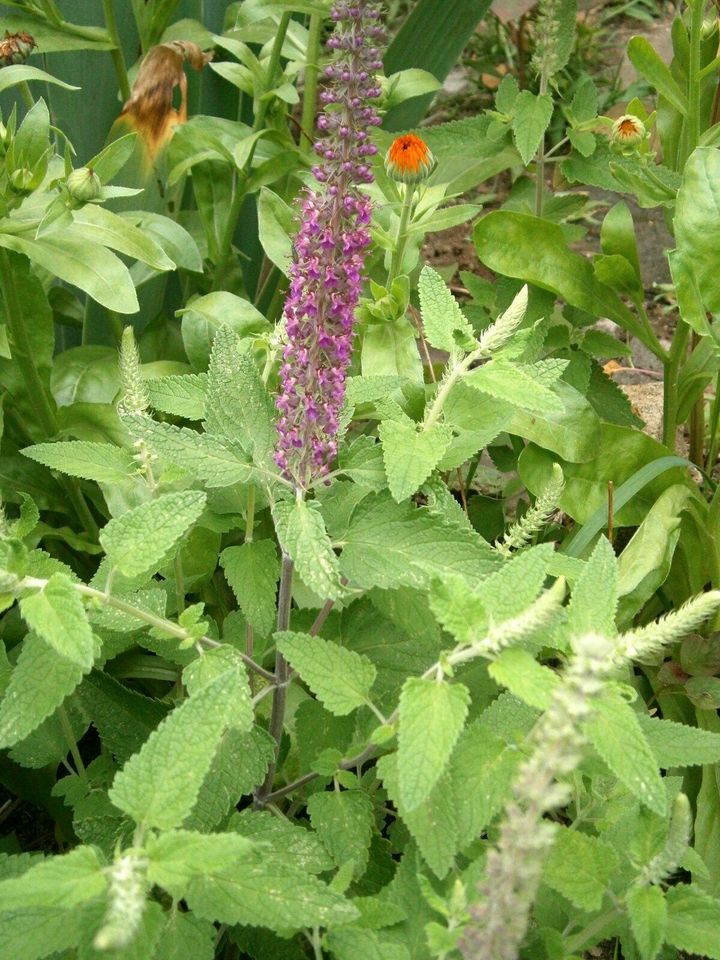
{"type": "Point", "coordinates": [326, 275]}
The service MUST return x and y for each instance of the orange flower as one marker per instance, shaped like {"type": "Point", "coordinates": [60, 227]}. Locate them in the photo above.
{"type": "Point", "coordinates": [409, 159]}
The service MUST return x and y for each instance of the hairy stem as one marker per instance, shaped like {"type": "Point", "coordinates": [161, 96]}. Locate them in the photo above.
{"type": "Point", "coordinates": [401, 237]}
{"type": "Point", "coordinates": [71, 742]}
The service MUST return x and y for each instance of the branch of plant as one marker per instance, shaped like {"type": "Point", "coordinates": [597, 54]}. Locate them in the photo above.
{"type": "Point", "coordinates": [402, 234]}
{"type": "Point", "coordinates": [117, 54]}
{"type": "Point", "coordinates": [146, 616]}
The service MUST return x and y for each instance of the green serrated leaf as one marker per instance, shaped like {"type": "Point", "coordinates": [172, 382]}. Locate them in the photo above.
{"type": "Point", "coordinates": [518, 384]}
{"type": "Point", "coordinates": [648, 918]}
{"type": "Point", "coordinates": [693, 921]}
{"type": "Point", "coordinates": [595, 594]}
{"type": "Point", "coordinates": [181, 396]}
{"type": "Point", "coordinates": [339, 677]}
{"type": "Point", "coordinates": [57, 614]}
{"type": "Point", "coordinates": [679, 745]}
{"type": "Point", "coordinates": [283, 840]}
{"type": "Point", "coordinates": [253, 570]}
{"type": "Point", "coordinates": [532, 115]}
{"type": "Point", "coordinates": [101, 462]}
{"type": "Point", "coordinates": [177, 856]}
{"type": "Point", "coordinates": [137, 541]}
{"type": "Point", "coordinates": [617, 736]}
{"type": "Point", "coordinates": [344, 822]}
{"type": "Point", "coordinates": [301, 531]}
{"type": "Point", "coordinates": [524, 677]}
{"type": "Point", "coordinates": [159, 785]}
{"type": "Point", "coordinates": [63, 881]}
{"type": "Point", "coordinates": [238, 405]}
{"type": "Point", "coordinates": [445, 326]}
{"type": "Point", "coordinates": [432, 715]}
{"type": "Point", "coordinates": [410, 455]}
{"type": "Point", "coordinates": [580, 867]}
{"type": "Point", "coordinates": [40, 682]}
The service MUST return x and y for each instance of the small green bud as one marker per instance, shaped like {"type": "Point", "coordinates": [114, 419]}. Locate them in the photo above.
{"type": "Point", "coordinates": [21, 180]}
{"type": "Point", "coordinates": [628, 130]}
{"type": "Point", "coordinates": [84, 185]}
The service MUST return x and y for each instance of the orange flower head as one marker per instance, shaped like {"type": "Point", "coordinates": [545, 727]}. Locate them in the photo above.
{"type": "Point", "coordinates": [409, 159]}
{"type": "Point", "coordinates": [628, 130]}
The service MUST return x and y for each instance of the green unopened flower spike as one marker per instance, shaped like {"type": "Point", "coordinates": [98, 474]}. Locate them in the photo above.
{"type": "Point", "coordinates": [665, 863]}
{"type": "Point", "coordinates": [136, 398]}
{"type": "Point", "coordinates": [537, 516]}
{"type": "Point", "coordinates": [126, 906]}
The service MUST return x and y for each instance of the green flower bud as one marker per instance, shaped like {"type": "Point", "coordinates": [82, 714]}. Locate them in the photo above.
{"type": "Point", "coordinates": [21, 180]}
{"type": "Point", "coordinates": [84, 184]}
{"type": "Point", "coordinates": [627, 130]}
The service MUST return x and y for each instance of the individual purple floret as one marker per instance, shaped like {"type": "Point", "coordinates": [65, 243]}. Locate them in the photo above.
{"type": "Point", "coordinates": [326, 275]}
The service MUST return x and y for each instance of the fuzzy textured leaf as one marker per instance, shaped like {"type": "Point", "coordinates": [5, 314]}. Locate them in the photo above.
{"type": "Point", "coordinates": [252, 570]}
{"type": "Point", "coordinates": [303, 536]}
{"type": "Point", "coordinates": [443, 322]}
{"type": "Point", "coordinates": [648, 918]}
{"type": "Point", "coordinates": [410, 455]}
{"type": "Point", "coordinates": [344, 822]}
{"type": "Point", "coordinates": [580, 867]}
{"type": "Point", "coordinates": [159, 785]}
{"type": "Point", "coordinates": [432, 715]}
{"type": "Point", "coordinates": [62, 881]}
{"type": "Point", "coordinates": [57, 614]}
{"type": "Point", "coordinates": [101, 462]}
{"type": "Point", "coordinates": [693, 921]}
{"type": "Point", "coordinates": [532, 116]}
{"type": "Point", "coordinates": [137, 541]}
{"type": "Point", "coordinates": [340, 678]}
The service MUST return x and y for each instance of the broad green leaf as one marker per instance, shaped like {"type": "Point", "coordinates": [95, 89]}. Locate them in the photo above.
{"type": "Point", "coordinates": [697, 232]}
{"type": "Point", "coordinates": [159, 785]}
{"type": "Point", "coordinates": [253, 570]}
{"type": "Point", "coordinates": [356, 943]}
{"type": "Point", "coordinates": [57, 614]}
{"type": "Point", "coordinates": [432, 714]}
{"type": "Point", "coordinates": [344, 822]}
{"type": "Point", "coordinates": [62, 881]}
{"type": "Point", "coordinates": [532, 116]}
{"type": "Point", "coordinates": [216, 462]}
{"type": "Point", "coordinates": [693, 921]}
{"type": "Point", "coordinates": [535, 250]}
{"type": "Point", "coordinates": [390, 545]}
{"type": "Point", "coordinates": [40, 682]}
{"type": "Point", "coordinates": [35, 932]}
{"type": "Point", "coordinates": [571, 430]}
{"type": "Point", "coordinates": [202, 318]}
{"type": "Point", "coordinates": [516, 384]}
{"type": "Point", "coordinates": [648, 63]}
{"type": "Point", "coordinates": [104, 228]}
{"type": "Point", "coordinates": [433, 823]}
{"type": "Point", "coordinates": [618, 738]}
{"type": "Point", "coordinates": [123, 717]}
{"type": "Point", "coordinates": [275, 228]}
{"type": "Point", "coordinates": [617, 235]}
{"type": "Point", "coordinates": [411, 454]}
{"type": "Point", "coordinates": [301, 531]}
{"type": "Point", "coordinates": [340, 678]}
{"type": "Point", "coordinates": [177, 856]}
{"type": "Point", "coordinates": [648, 918]}
{"type": "Point", "coordinates": [183, 396]}
{"type": "Point", "coordinates": [240, 764]}
{"type": "Point", "coordinates": [594, 597]}
{"type": "Point", "coordinates": [237, 404]}
{"type": "Point", "coordinates": [580, 867]}
{"type": "Point", "coordinates": [443, 322]}
{"type": "Point", "coordinates": [22, 73]}
{"type": "Point", "coordinates": [102, 462]}
{"type": "Point", "coordinates": [524, 677]}
{"type": "Point", "coordinates": [679, 745]}
{"type": "Point", "coordinates": [283, 840]}
{"type": "Point", "coordinates": [186, 938]}
{"type": "Point", "coordinates": [362, 461]}
{"type": "Point", "coordinates": [137, 541]}
{"type": "Point", "coordinates": [88, 266]}
{"type": "Point", "coordinates": [269, 893]}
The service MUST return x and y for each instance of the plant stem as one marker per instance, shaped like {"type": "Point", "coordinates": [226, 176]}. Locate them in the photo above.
{"type": "Point", "coordinates": [692, 124]}
{"type": "Point", "coordinates": [457, 370]}
{"type": "Point", "coordinates": [672, 377]}
{"type": "Point", "coordinates": [26, 94]}
{"type": "Point", "coordinates": [540, 159]}
{"type": "Point", "coordinates": [71, 742]}
{"type": "Point", "coordinates": [401, 237]}
{"type": "Point", "coordinates": [697, 421]}
{"type": "Point", "coordinates": [249, 524]}
{"type": "Point", "coordinates": [117, 52]}
{"type": "Point", "coordinates": [151, 619]}
{"type": "Point", "coordinates": [312, 72]}
{"type": "Point", "coordinates": [277, 716]}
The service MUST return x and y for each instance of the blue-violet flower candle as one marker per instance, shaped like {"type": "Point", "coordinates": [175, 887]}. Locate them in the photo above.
{"type": "Point", "coordinates": [326, 275]}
